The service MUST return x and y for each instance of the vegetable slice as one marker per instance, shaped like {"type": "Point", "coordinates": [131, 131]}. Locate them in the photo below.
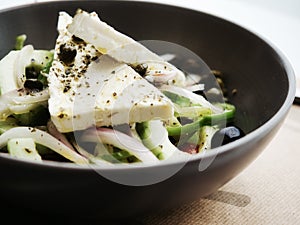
{"type": "Point", "coordinates": [121, 141]}
{"type": "Point", "coordinates": [42, 138]}
{"type": "Point", "coordinates": [23, 148]}
{"type": "Point", "coordinates": [194, 98]}
{"type": "Point", "coordinates": [155, 137]}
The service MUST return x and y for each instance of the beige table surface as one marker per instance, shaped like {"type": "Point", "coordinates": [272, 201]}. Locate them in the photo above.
{"type": "Point", "coordinates": [266, 192]}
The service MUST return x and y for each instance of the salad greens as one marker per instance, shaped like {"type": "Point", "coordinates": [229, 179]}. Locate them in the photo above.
{"type": "Point", "coordinates": [28, 132]}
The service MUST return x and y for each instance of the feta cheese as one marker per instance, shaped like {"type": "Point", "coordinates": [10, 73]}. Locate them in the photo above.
{"type": "Point", "coordinates": [88, 88]}
{"type": "Point", "coordinates": [107, 40]}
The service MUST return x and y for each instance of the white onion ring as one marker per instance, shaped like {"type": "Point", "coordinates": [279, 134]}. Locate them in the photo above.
{"type": "Point", "coordinates": [195, 98]}
{"type": "Point", "coordinates": [23, 59]}
{"type": "Point", "coordinates": [192, 79]}
{"type": "Point", "coordinates": [34, 97]}
{"type": "Point", "coordinates": [195, 87]}
{"type": "Point", "coordinates": [122, 141]}
{"type": "Point", "coordinates": [168, 57]}
{"type": "Point", "coordinates": [18, 102]}
{"type": "Point", "coordinates": [162, 77]}
{"type": "Point", "coordinates": [42, 138]}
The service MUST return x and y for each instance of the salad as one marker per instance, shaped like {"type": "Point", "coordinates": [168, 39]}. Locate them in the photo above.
{"type": "Point", "coordinates": [100, 97]}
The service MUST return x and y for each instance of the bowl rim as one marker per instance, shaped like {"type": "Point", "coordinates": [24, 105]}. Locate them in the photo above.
{"type": "Point", "coordinates": [278, 117]}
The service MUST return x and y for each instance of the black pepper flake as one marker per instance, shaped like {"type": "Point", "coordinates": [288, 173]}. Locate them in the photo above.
{"type": "Point", "coordinates": [94, 58]}
{"type": "Point", "coordinates": [27, 150]}
{"type": "Point", "coordinates": [67, 88]}
{"type": "Point", "coordinates": [61, 115]}
{"type": "Point", "coordinates": [114, 94]}
{"type": "Point", "coordinates": [68, 71]}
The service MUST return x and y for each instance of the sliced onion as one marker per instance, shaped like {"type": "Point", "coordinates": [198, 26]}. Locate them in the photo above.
{"type": "Point", "coordinates": [4, 107]}
{"type": "Point", "coordinates": [158, 68]}
{"type": "Point", "coordinates": [18, 101]}
{"type": "Point", "coordinates": [23, 59]}
{"type": "Point", "coordinates": [42, 138]}
{"type": "Point", "coordinates": [192, 79]}
{"type": "Point", "coordinates": [194, 98]}
{"type": "Point", "coordinates": [162, 77]}
{"type": "Point", "coordinates": [159, 137]}
{"type": "Point", "coordinates": [195, 87]}
{"type": "Point", "coordinates": [122, 141]}
{"type": "Point", "coordinates": [20, 109]}
{"type": "Point", "coordinates": [168, 57]}
{"type": "Point", "coordinates": [91, 157]}
{"type": "Point", "coordinates": [59, 136]}
{"type": "Point", "coordinates": [20, 97]}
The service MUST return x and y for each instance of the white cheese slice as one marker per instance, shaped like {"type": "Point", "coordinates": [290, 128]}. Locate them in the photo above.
{"type": "Point", "coordinates": [87, 88]}
{"type": "Point", "coordinates": [107, 40]}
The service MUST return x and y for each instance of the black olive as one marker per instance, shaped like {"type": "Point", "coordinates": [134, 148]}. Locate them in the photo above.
{"type": "Point", "coordinates": [226, 135]}
{"type": "Point", "coordinates": [34, 85]}
{"type": "Point", "coordinates": [66, 55]}
{"type": "Point", "coordinates": [32, 72]}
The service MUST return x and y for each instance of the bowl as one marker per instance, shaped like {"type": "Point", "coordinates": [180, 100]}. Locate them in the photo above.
{"type": "Point", "coordinates": [258, 71]}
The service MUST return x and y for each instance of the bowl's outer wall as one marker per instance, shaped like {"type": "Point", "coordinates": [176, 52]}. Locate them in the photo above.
{"type": "Point", "coordinates": [250, 66]}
